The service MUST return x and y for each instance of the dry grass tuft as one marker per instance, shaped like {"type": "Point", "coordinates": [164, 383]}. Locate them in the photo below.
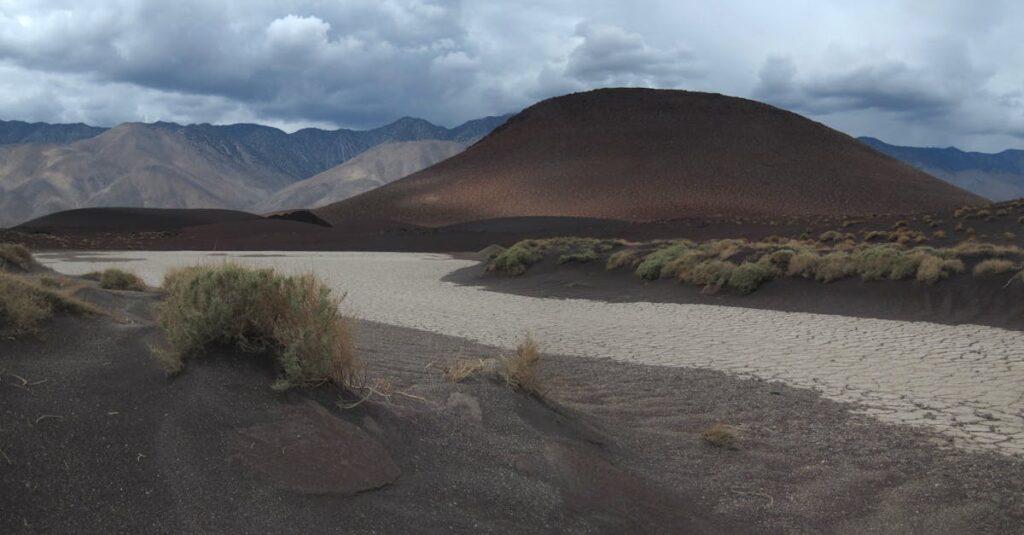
{"type": "Point", "coordinates": [934, 269]}
{"type": "Point", "coordinates": [116, 279]}
{"type": "Point", "coordinates": [834, 266]}
{"type": "Point", "coordinates": [993, 266]}
{"type": "Point", "coordinates": [721, 436]}
{"type": "Point", "coordinates": [518, 370]}
{"type": "Point", "coordinates": [293, 318]}
{"type": "Point", "coordinates": [628, 258]}
{"type": "Point", "coordinates": [15, 257]}
{"type": "Point", "coordinates": [803, 264]}
{"type": "Point", "coordinates": [462, 369]}
{"type": "Point", "coordinates": [25, 305]}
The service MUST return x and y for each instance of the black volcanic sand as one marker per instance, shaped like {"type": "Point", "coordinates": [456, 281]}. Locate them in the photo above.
{"type": "Point", "coordinates": [132, 219]}
{"type": "Point", "coordinates": [94, 437]}
{"type": "Point", "coordinates": [253, 233]}
{"type": "Point", "coordinates": [996, 301]}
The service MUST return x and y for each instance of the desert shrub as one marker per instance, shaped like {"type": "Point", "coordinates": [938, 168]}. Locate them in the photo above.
{"type": "Point", "coordinates": [906, 264]}
{"type": "Point", "coordinates": [720, 436]}
{"type": "Point", "coordinates": [25, 305]}
{"type": "Point", "coordinates": [940, 234]}
{"type": "Point", "coordinates": [933, 268]}
{"type": "Point", "coordinates": [972, 248]}
{"type": "Point", "coordinates": [723, 249]}
{"type": "Point", "coordinates": [834, 266]}
{"type": "Point", "coordinates": [624, 258]}
{"type": "Point", "coordinates": [803, 264]}
{"type": "Point", "coordinates": [710, 273]}
{"type": "Point", "coordinates": [778, 260]}
{"type": "Point", "coordinates": [878, 235]}
{"type": "Point", "coordinates": [491, 251]}
{"type": "Point", "coordinates": [293, 318]}
{"type": "Point", "coordinates": [15, 257]}
{"type": "Point", "coordinates": [516, 259]}
{"type": "Point", "coordinates": [1009, 236]}
{"type": "Point", "coordinates": [22, 309]}
{"type": "Point", "coordinates": [116, 279]}
{"type": "Point", "coordinates": [831, 236]}
{"type": "Point", "coordinates": [581, 257]}
{"type": "Point", "coordinates": [993, 266]}
{"type": "Point", "coordinates": [651, 266]}
{"type": "Point", "coordinates": [680, 267]}
{"type": "Point", "coordinates": [749, 276]}
{"type": "Point", "coordinates": [875, 263]}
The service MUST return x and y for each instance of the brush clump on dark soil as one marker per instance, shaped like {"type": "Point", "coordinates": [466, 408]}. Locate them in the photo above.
{"type": "Point", "coordinates": [15, 257]}
{"type": "Point", "coordinates": [518, 370]}
{"type": "Point", "coordinates": [117, 279]}
{"type": "Point", "coordinates": [293, 318]}
{"type": "Point", "coordinates": [25, 305]}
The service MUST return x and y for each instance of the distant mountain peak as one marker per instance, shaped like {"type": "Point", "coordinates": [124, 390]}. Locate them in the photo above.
{"type": "Point", "coordinates": [998, 176]}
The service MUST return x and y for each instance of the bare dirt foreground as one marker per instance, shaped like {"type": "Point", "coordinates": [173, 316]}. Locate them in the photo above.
{"type": "Point", "coordinates": [96, 438]}
{"type": "Point", "coordinates": [965, 381]}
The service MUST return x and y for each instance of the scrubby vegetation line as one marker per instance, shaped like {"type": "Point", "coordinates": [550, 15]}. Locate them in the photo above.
{"type": "Point", "coordinates": [295, 319]}
{"type": "Point", "coordinates": [743, 266]}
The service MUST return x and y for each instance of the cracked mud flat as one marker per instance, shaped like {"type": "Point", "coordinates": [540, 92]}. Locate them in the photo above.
{"type": "Point", "coordinates": [967, 381]}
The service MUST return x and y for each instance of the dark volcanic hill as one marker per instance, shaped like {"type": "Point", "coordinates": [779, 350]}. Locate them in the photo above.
{"type": "Point", "coordinates": [998, 176]}
{"type": "Point", "coordinates": [131, 220]}
{"type": "Point", "coordinates": [641, 155]}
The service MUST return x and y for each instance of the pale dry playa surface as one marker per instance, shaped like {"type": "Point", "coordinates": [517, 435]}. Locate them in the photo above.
{"type": "Point", "coordinates": [967, 381]}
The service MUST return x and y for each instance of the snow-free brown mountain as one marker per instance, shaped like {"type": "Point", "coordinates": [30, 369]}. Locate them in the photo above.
{"type": "Point", "coordinates": [49, 168]}
{"type": "Point", "coordinates": [371, 169]}
{"type": "Point", "coordinates": [644, 155]}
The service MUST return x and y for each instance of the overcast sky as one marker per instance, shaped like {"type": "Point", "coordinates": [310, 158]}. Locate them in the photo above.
{"type": "Point", "coordinates": [915, 73]}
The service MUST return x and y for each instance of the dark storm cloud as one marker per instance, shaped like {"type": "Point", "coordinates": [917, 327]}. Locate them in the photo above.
{"type": "Point", "coordinates": [949, 73]}
{"type": "Point", "coordinates": [887, 86]}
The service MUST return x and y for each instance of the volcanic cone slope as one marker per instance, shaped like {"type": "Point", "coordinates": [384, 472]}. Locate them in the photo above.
{"type": "Point", "coordinates": [643, 155]}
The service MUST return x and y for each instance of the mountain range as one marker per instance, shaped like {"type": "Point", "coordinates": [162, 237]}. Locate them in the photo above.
{"type": "Point", "coordinates": [45, 168]}
{"type": "Point", "coordinates": [999, 176]}
{"type": "Point", "coordinates": [48, 168]}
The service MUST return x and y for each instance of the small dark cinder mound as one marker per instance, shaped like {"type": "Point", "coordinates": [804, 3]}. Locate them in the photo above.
{"type": "Point", "coordinates": [132, 219]}
{"type": "Point", "coordinates": [645, 155]}
{"type": "Point", "coordinates": [302, 216]}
